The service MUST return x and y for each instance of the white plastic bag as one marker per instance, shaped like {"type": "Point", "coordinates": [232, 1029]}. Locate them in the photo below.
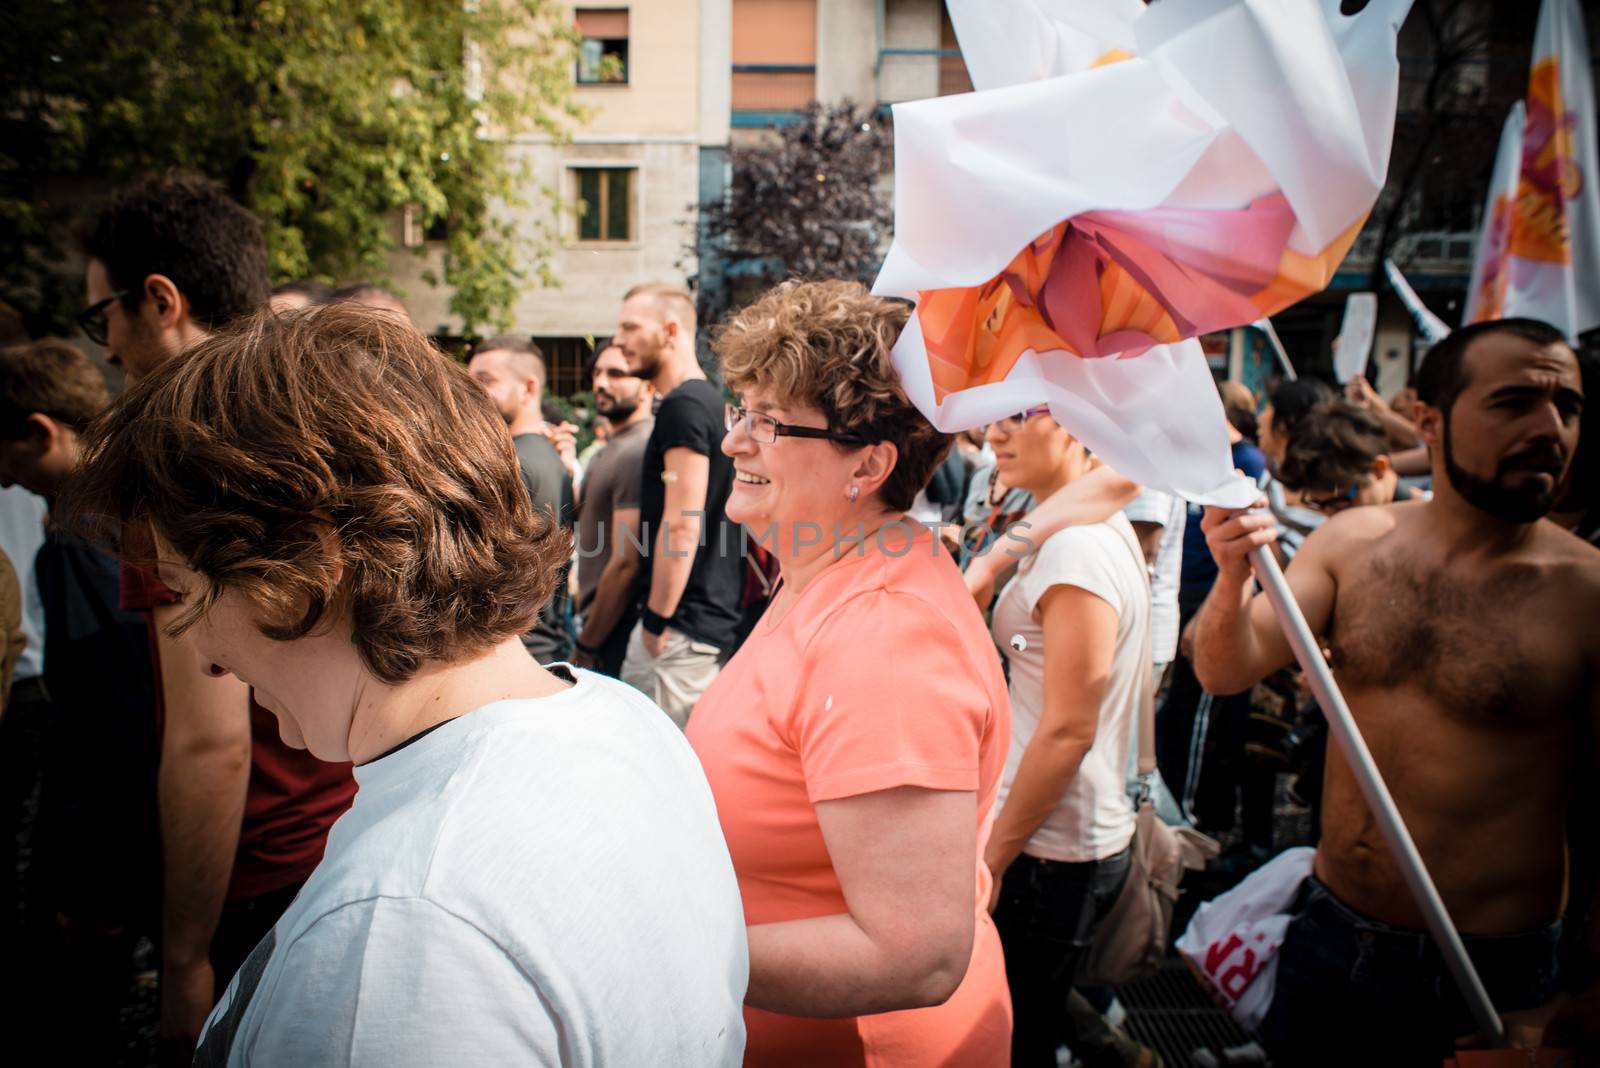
{"type": "Point", "coordinates": [1232, 942]}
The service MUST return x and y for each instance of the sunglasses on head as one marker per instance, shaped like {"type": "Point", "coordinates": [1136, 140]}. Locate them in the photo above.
{"type": "Point", "coordinates": [1010, 424]}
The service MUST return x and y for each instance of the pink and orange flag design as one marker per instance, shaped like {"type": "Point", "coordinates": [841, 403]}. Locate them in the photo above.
{"type": "Point", "coordinates": [1538, 255]}
{"type": "Point", "coordinates": [1113, 284]}
{"type": "Point", "coordinates": [1124, 179]}
{"type": "Point", "coordinates": [1550, 172]}
{"type": "Point", "coordinates": [1490, 292]}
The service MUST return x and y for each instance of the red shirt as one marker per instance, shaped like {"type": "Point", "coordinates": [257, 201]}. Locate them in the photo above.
{"type": "Point", "coordinates": [293, 798]}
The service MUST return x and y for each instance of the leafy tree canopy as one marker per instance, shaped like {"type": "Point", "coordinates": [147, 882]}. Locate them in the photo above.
{"type": "Point", "coordinates": [809, 200]}
{"type": "Point", "coordinates": [326, 117]}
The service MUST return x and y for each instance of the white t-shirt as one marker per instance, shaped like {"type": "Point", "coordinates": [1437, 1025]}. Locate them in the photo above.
{"type": "Point", "coordinates": [540, 881]}
{"type": "Point", "coordinates": [22, 515]}
{"type": "Point", "coordinates": [1094, 818]}
{"type": "Point", "coordinates": [1170, 512]}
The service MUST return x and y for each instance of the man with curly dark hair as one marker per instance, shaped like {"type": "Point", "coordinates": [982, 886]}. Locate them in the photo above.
{"type": "Point", "coordinates": [531, 851]}
{"type": "Point", "coordinates": [171, 258]}
{"type": "Point", "coordinates": [1338, 458]}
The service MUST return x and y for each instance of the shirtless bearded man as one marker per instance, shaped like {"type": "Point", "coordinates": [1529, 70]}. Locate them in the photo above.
{"type": "Point", "coordinates": [1462, 633]}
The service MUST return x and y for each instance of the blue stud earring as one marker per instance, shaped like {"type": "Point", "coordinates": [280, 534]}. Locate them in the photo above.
{"type": "Point", "coordinates": [855, 492]}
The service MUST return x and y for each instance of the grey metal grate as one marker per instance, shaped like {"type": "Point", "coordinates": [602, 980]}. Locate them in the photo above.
{"type": "Point", "coordinates": [1172, 1014]}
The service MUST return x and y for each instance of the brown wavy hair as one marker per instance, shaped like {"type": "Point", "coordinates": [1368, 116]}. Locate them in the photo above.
{"type": "Point", "coordinates": [1333, 446]}
{"type": "Point", "coordinates": [330, 463]}
{"type": "Point", "coordinates": [825, 345]}
{"type": "Point", "coordinates": [49, 377]}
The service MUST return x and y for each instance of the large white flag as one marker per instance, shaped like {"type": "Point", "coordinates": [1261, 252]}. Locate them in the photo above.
{"type": "Point", "coordinates": [1008, 42]}
{"type": "Point", "coordinates": [1067, 237]}
{"type": "Point", "coordinates": [1552, 239]}
{"type": "Point", "coordinates": [1491, 261]}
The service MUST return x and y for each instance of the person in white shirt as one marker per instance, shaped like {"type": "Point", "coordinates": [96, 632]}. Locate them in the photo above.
{"type": "Point", "coordinates": [22, 518]}
{"type": "Point", "coordinates": [532, 871]}
{"type": "Point", "coordinates": [1158, 520]}
{"type": "Point", "coordinates": [1075, 627]}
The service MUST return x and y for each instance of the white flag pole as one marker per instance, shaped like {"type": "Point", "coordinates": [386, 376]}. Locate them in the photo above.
{"type": "Point", "coordinates": [1265, 326]}
{"type": "Point", "coordinates": [1342, 725]}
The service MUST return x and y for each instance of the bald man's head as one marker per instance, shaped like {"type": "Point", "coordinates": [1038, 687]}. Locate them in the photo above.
{"type": "Point", "coordinates": [670, 302]}
{"type": "Point", "coordinates": [512, 371]}
{"type": "Point", "coordinates": [655, 320]}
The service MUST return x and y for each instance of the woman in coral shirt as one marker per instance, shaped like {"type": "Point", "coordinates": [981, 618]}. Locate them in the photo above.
{"type": "Point", "coordinates": [855, 744]}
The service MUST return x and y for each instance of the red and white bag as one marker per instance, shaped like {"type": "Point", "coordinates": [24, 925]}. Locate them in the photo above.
{"type": "Point", "coordinates": [1232, 941]}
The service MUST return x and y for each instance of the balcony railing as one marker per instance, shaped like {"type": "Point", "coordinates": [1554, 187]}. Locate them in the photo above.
{"type": "Point", "coordinates": [769, 94]}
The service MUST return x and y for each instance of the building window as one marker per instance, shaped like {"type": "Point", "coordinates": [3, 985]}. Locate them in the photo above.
{"type": "Point", "coordinates": [953, 76]}
{"type": "Point", "coordinates": [603, 54]}
{"type": "Point", "coordinates": [416, 230]}
{"type": "Point", "coordinates": [606, 203]}
{"type": "Point", "coordinates": [774, 59]}
{"type": "Point", "coordinates": [566, 360]}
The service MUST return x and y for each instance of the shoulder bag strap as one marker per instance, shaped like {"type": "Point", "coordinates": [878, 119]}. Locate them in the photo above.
{"type": "Point", "coordinates": [1147, 705]}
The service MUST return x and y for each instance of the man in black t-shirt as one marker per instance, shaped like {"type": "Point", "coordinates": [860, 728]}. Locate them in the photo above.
{"type": "Point", "coordinates": [93, 885]}
{"type": "Point", "coordinates": [694, 574]}
{"type": "Point", "coordinates": [512, 371]}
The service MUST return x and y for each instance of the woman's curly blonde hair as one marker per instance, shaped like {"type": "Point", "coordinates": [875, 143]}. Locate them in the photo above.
{"type": "Point", "coordinates": [825, 345]}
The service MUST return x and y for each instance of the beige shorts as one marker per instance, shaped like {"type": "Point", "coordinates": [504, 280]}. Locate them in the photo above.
{"type": "Point", "coordinates": [675, 679]}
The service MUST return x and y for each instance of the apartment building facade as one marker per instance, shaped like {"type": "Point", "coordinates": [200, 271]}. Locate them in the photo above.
{"type": "Point", "coordinates": [670, 83]}
{"type": "Point", "coordinates": [873, 52]}
{"type": "Point", "coordinates": [666, 83]}
{"type": "Point", "coordinates": [654, 76]}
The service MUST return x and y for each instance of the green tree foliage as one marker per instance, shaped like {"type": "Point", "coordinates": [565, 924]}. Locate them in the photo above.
{"type": "Point", "coordinates": [326, 117]}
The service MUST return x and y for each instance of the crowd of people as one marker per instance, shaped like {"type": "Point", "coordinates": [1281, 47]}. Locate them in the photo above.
{"type": "Point", "coordinates": [776, 727]}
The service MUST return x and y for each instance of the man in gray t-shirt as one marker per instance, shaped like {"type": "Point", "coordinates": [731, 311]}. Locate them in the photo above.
{"type": "Point", "coordinates": [609, 541]}
{"type": "Point", "coordinates": [512, 371]}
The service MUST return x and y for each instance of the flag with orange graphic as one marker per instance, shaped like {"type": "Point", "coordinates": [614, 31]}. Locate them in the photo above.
{"type": "Point", "coordinates": [1543, 243]}
{"type": "Point", "coordinates": [1491, 262]}
{"type": "Point", "coordinates": [1124, 180]}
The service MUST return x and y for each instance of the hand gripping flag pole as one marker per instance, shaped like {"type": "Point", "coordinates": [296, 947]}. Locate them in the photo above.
{"type": "Point", "coordinates": [1342, 725]}
{"type": "Point", "coordinates": [1236, 149]}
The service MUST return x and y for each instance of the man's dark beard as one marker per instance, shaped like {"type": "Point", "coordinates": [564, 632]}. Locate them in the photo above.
{"type": "Point", "coordinates": [1488, 495]}
{"type": "Point", "coordinates": [618, 411]}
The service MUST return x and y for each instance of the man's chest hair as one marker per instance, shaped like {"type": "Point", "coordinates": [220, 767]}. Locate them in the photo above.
{"type": "Point", "coordinates": [1487, 645]}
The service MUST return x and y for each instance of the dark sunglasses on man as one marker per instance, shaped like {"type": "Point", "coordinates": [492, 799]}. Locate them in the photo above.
{"type": "Point", "coordinates": [92, 320]}
{"type": "Point", "coordinates": [1336, 502]}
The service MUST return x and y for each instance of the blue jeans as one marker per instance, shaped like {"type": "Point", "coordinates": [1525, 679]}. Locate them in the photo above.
{"type": "Point", "coordinates": [1352, 991]}
{"type": "Point", "coordinates": [1047, 915]}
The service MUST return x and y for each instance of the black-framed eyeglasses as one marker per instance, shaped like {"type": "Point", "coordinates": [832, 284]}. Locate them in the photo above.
{"type": "Point", "coordinates": [1010, 424]}
{"type": "Point", "coordinates": [92, 320]}
{"type": "Point", "coordinates": [764, 430]}
{"type": "Point", "coordinates": [1338, 502]}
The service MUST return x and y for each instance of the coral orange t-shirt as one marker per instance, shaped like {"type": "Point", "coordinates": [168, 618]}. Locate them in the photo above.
{"type": "Point", "coordinates": [881, 674]}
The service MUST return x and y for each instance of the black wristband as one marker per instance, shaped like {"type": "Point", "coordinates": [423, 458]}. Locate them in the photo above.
{"type": "Point", "coordinates": [653, 622]}
{"type": "Point", "coordinates": [586, 650]}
